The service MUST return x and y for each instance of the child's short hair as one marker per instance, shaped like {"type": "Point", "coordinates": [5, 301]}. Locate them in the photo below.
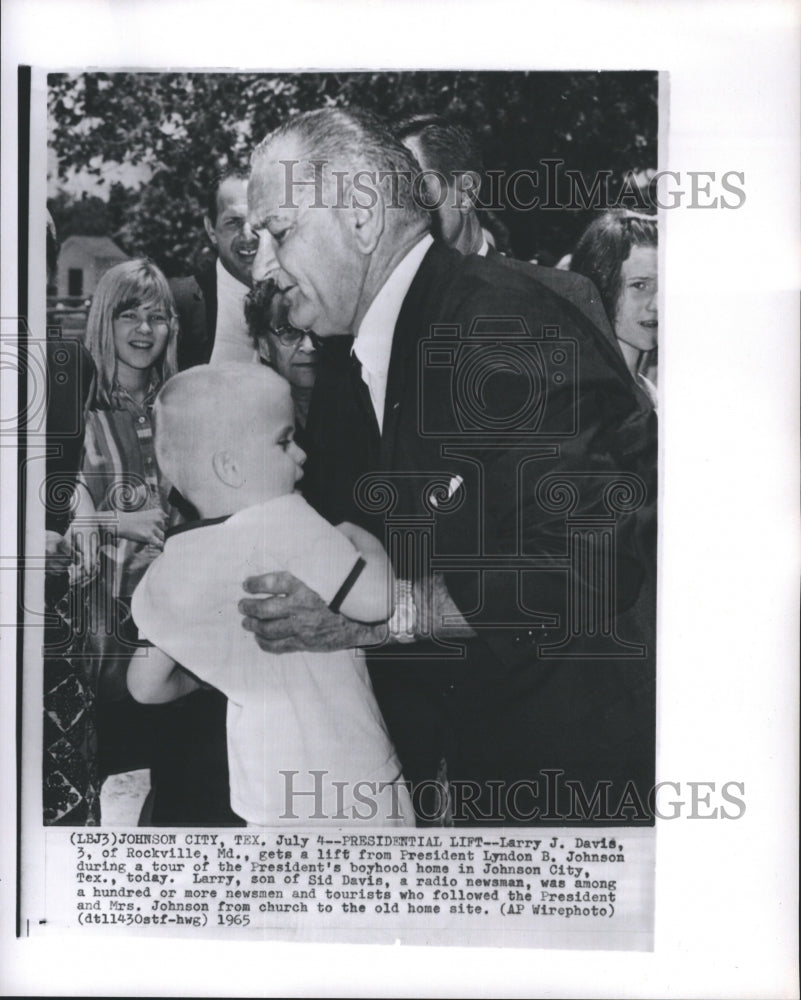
{"type": "Point", "coordinates": [200, 411]}
{"type": "Point", "coordinates": [127, 284]}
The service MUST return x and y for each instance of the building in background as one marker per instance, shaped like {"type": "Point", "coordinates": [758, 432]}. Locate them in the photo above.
{"type": "Point", "coordinates": [82, 262]}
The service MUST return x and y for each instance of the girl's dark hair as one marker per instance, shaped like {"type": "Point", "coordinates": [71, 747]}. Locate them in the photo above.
{"type": "Point", "coordinates": [606, 243]}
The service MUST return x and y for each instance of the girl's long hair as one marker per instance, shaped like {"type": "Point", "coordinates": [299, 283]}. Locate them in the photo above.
{"type": "Point", "coordinates": [605, 245]}
{"type": "Point", "coordinates": [127, 285]}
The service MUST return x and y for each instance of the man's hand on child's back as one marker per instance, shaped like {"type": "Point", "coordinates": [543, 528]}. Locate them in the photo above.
{"type": "Point", "coordinates": [292, 617]}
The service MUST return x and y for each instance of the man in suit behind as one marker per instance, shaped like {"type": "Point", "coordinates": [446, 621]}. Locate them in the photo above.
{"type": "Point", "coordinates": [454, 168]}
{"type": "Point", "coordinates": [210, 302]}
{"type": "Point", "coordinates": [501, 439]}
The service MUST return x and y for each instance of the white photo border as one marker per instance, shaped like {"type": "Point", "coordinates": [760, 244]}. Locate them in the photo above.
{"type": "Point", "coordinates": [725, 896]}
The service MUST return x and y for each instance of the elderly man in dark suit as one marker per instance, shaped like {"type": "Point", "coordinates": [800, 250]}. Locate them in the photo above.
{"type": "Point", "coordinates": [490, 436]}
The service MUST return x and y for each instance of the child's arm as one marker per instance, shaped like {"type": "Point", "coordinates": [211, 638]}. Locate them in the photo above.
{"type": "Point", "coordinates": [144, 525]}
{"type": "Point", "coordinates": [156, 678]}
{"type": "Point", "coordinates": [370, 597]}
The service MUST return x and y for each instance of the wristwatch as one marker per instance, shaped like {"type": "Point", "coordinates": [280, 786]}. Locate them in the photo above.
{"type": "Point", "coordinates": [404, 618]}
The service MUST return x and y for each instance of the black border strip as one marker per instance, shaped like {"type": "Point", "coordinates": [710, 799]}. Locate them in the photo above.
{"type": "Point", "coordinates": [23, 170]}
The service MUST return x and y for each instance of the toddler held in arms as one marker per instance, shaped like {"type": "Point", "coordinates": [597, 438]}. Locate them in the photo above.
{"type": "Point", "coordinates": [306, 740]}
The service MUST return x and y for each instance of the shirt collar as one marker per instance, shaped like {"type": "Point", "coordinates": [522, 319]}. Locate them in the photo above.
{"type": "Point", "coordinates": [228, 285]}
{"type": "Point", "coordinates": [121, 399]}
{"type": "Point", "coordinates": [373, 343]}
{"type": "Point", "coordinates": [483, 250]}
{"type": "Point", "coordinates": [201, 522]}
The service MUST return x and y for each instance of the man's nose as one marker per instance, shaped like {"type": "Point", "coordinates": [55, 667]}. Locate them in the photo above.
{"type": "Point", "coordinates": [298, 454]}
{"type": "Point", "coordinates": [248, 235]}
{"type": "Point", "coordinates": [265, 261]}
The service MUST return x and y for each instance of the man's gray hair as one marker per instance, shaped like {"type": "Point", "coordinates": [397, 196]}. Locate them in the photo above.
{"type": "Point", "coordinates": [361, 145]}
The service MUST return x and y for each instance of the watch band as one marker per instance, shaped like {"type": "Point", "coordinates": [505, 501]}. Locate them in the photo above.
{"type": "Point", "coordinates": [404, 618]}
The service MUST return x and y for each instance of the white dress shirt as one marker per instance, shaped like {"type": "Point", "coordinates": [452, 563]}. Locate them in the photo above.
{"type": "Point", "coordinates": [373, 343]}
{"type": "Point", "coordinates": [231, 340]}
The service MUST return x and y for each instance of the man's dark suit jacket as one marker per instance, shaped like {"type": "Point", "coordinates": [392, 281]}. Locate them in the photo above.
{"type": "Point", "coordinates": [576, 289]}
{"type": "Point", "coordinates": [504, 407]}
{"type": "Point", "coordinates": [196, 304]}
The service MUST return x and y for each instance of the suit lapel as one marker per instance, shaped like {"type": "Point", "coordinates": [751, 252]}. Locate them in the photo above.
{"type": "Point", "coordinates": [207, 280]}
{"type": "Point", "coordinates": [401, 360]}
{"type": "Point", "coordinates": [412, 326]}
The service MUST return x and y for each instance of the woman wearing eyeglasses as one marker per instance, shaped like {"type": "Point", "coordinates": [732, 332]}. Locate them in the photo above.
{"type": "Point", "coordinates": [292, 352]}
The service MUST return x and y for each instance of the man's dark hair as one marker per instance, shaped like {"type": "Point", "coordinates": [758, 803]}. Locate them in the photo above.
{"type": "Point", "coordinates": [449, 147]}
{"type": "Point", "coordinates": [240, 173]}
{"type": "Point", "coordinates": [498, 230]}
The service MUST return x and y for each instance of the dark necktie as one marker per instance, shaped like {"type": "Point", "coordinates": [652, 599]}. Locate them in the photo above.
{"type": "Point", "coordinates": [362, 393]}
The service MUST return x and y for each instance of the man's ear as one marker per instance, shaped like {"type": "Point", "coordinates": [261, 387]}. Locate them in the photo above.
{"type": "Point", "coordinates": [226, 469]}
{"type": "Point", "coordinates": [467, 188]}
{"type": "Point", "coordinates": [209, 227]}
{"type": "Point", "coordinates": [368, 222]}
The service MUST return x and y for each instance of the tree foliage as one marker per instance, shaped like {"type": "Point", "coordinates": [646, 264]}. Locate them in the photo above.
{"type": "Point", "coordinates": [183, 127]}
{"type": "Point", "coordinates": [90, 215]}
